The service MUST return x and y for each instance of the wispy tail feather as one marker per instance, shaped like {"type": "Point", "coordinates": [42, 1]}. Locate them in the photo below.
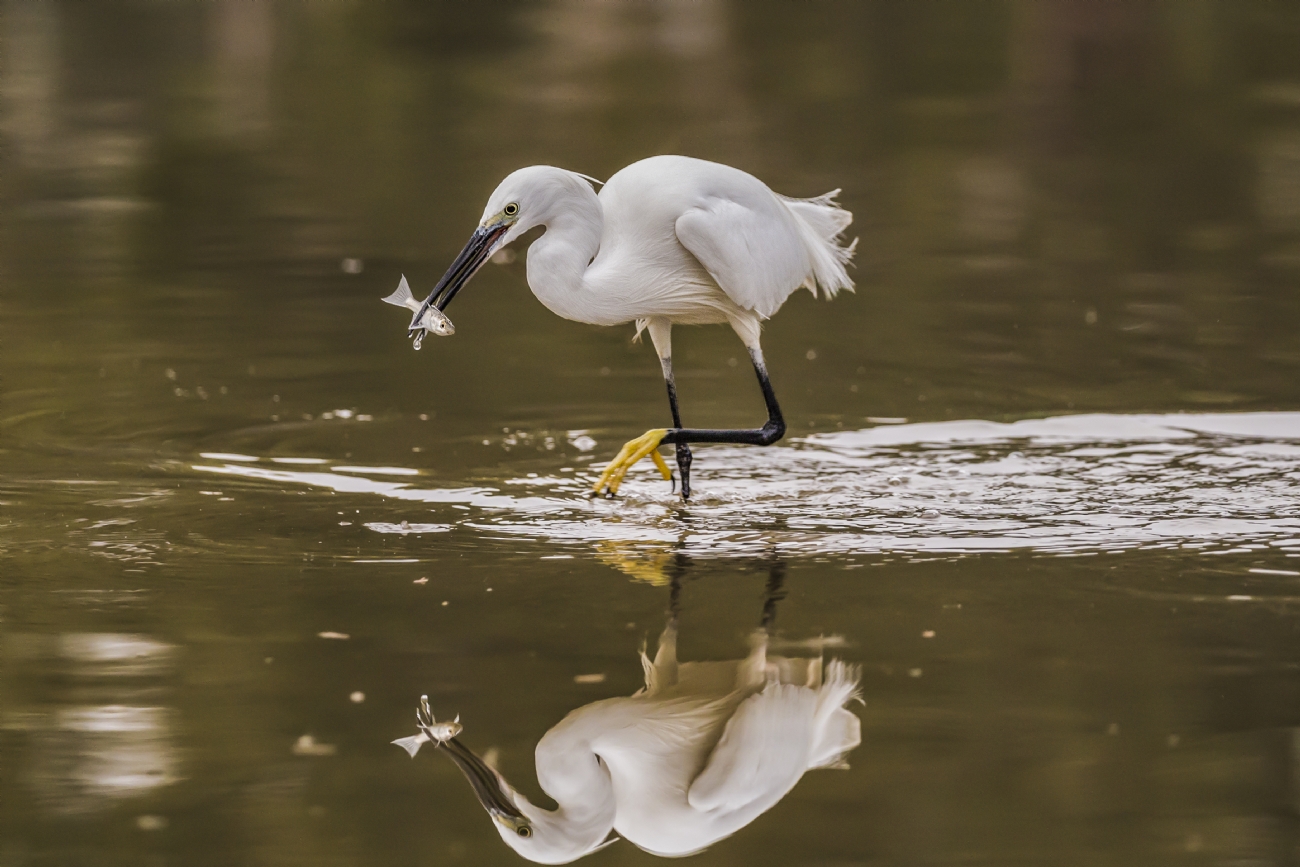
{"type": "Point", "coordinates": [838, 730]}
{"type": "Point", "coordinates": [821, 223]}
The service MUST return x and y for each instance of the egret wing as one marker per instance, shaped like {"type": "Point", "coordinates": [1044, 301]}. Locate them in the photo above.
{"type": "Point", "coordinates": [763, 752]}
{"type": "Point", "coordinates": [752, 248]}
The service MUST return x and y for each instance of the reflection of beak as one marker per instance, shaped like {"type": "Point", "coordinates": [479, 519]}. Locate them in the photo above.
{"type": "Point", "coordinates": [481, 245]}
{"type": "Point", "coordinates": [487, 786]}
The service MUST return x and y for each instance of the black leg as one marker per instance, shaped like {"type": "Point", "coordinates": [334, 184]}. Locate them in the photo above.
{"type": "Point", "coordinates": [680, 436]}
{"type": "Point", "coordinates": [684, 466]}
{"type": "Point", "coordinates": [683, 450]}
{"type": "Point", "coordinates": [773, 593]}
{"type": "Point", "coordinates": [675, 572]}
{"type": "Point", "coordinates": [764, 436]}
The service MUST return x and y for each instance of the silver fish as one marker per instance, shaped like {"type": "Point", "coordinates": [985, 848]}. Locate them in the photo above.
{"type": "Point", "coordinates": [428, 319]}
{"type": "Point", "coordinates": [431, 731]}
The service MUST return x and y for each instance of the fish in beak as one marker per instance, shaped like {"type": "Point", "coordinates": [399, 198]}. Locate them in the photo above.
{"type": "Point", "coordinates": [482, 244]}
{"type": "Point", "coordinates": [428, 319]}
{"type": "Point", "coordinates": [488, 785]}
{"type": "Point", "coordinates": [431, 731]}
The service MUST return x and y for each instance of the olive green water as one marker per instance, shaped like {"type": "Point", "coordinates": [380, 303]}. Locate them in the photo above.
{"type": "Point", "coordinates": [225, 476]}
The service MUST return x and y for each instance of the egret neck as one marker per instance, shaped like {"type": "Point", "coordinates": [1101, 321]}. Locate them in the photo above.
{"type": "Point", "coordinates": [557, 261]}
{"type": "Point", "coordinates": [579, 782]}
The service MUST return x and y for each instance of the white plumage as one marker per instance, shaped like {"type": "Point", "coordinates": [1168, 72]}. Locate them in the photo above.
{"type": "Point", "coordinates": [669, 241]}
{"type": "Point", "coordinates": [672, 240]}
{"type": "Point", "coordinates": [700, 752]}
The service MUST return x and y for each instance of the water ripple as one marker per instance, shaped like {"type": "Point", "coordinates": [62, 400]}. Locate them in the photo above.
{"type": "Point", "coordinates": [1072, 485]}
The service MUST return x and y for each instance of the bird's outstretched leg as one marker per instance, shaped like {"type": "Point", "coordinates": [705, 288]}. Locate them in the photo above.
{"type": "Point", "coordinates": [769, 433]}
{"type": "Point", "coordinates": [648, 443]}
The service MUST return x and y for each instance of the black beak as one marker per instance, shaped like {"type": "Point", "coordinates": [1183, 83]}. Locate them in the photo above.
{"type": "Point", "coordinates": [481, 245]}
{"type": "Point", "coordinates": [483, 780]}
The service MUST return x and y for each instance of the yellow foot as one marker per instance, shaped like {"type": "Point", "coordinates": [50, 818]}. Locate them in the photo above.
{"type": "Point", "coordinates": [633, 451]}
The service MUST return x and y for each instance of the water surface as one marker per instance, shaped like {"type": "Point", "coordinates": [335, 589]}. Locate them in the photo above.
{"type": "Point", "coordinates": [1040, 485]}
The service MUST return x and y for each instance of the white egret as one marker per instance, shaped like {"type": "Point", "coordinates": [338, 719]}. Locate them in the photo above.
{"type": "Point", "coordinates": [669, 240]}
{"type": "Point", "coordinates": [699, 753]}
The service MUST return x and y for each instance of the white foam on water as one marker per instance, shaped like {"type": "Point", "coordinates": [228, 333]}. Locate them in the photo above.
{"type": "Point", "coordinates": [406, 528]}
{"type": "Point", "coordinates": [377, 471]}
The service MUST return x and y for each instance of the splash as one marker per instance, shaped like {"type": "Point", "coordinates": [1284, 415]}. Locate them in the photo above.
{"type": "Point", "coordinates": [1072, 485]}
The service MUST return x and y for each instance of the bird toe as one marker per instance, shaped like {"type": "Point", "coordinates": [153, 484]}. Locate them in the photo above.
{"type": "Point", "coordinates": [632, 451]}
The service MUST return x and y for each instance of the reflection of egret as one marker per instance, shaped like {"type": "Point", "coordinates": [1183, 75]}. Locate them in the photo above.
{"type": "Point", "coordinates": [669, 240]}
{"type": "Point", "coordinates": [700, 752]}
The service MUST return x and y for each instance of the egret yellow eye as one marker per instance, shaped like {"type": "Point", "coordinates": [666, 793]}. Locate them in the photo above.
{"type": "Point", "coordinates": [511, 209]}
{"type": "Point", "coordinates": [524, 830]}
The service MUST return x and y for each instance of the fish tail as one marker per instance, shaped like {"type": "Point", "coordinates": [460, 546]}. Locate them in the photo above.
{"type": "Point", "coordinates": [413, 743]}
{"type": "Point", "coordinates": [402, 297]}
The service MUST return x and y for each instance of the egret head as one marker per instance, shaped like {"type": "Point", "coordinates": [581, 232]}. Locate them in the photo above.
{"type": "Point", "coordinates": [534, 196]}
{"type": "Point", "coordinates": [527, 198]}
{"type": "Point", "coordinates": [546, 837]}
{"type": "Point", "coordinates": [541, 836]}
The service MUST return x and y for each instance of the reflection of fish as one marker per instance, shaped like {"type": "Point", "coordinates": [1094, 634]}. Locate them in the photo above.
{"type": "Point", "coordinates": [428, 318]}
{"type": "Point", "coordinates": [698, 754]}
{"type": "Point", "coordinates": [431, 731]}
